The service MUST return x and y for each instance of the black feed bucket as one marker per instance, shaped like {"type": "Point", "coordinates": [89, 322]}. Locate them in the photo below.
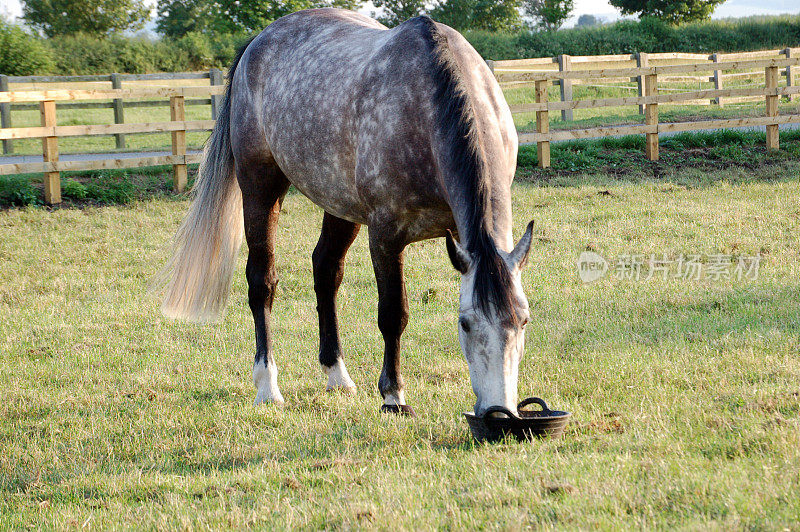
{"type": "Point", "coordinates": [524, 425]}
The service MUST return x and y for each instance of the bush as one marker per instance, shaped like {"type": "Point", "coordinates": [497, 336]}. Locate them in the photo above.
{"type": "Point", "coordinates": [17, 190]}
{"type": "Point", "coordinates": [197, 49]}
{"type": "Point", "coordinates": [647, 35]}
{"type": "Point", "coordinates": [22, 54]}
{"type": "Point", "coordinates": [226, 46]}
{"type": "Point", "coordinates": [73, 189]}
{"type": "Point", "coordinates": [142, 55]}
{"type": "Point", "coordinates": [203, 51]}
{"type": "Point", "coordinates": [85, 54]}
{"type": "Point", "coordinates": [107, 189]}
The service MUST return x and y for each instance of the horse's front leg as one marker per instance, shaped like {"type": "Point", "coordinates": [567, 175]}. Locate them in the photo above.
{"type": "Point", "coordinates": [328, 259]}
{"type": "Point", "coordinates": [387, 260]}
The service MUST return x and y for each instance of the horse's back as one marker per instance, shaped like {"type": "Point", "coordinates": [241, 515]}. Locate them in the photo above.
{"type": "Point", "coordinates": [343, 106]}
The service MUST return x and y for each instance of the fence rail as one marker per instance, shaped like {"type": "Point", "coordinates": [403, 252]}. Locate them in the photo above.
{"type": "Point", "coordinates": [650, 71]}
{"type": "Point", "coordinates": [717, 76]}
{"type": "Point", "coordinates": [50, 132]}
{"type": "Point", "coordinates": [215, 77]}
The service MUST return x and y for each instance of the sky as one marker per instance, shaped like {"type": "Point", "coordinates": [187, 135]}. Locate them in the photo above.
{"type": "Point", "coordinates": [731, 8]}
{"type": "Point", "coordinates": [600, 8]}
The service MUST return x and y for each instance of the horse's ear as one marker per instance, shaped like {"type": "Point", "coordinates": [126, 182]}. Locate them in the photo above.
{"type": "Point", "coordinates": [519, 256]}
{"type": "Point", "coordinates": [458, 256]}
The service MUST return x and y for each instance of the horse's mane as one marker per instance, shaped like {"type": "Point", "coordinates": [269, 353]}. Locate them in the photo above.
{"type": "Point", "coordinates": [467, 167]}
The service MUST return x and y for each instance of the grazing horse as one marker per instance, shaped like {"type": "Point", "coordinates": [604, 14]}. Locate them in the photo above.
{"type": "Point", "coordinates": [404, 130]}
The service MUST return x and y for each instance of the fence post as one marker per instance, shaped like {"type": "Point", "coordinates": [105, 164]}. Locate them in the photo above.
{"type": "Point", "coordinates": [5, 115]}
{"type": "Point", "coordinates": [641, 62]}
{"type": "Point", "coordinates": [177, 111]}
{"type": "Point", "coordinates": [565, 65]}
{"type": "Point", "coordinates": [52, 180]}
{"type": "Point", "coordinates": [216, 77]}
{"type": "Point", "coordinates": [119, 110]}
{"type": "Point", "coordinates": [651, 116]}
{"type": "Point", "coordinates": [490, 64]}
{"type": "Point", "coordinates": [771, 83]}
{"type": "Point", "coordinates": [542, 124]}
{"type": "Point", "coordinates": [789, 74]}
{"type": "Point", "coordinates": [717, 81]}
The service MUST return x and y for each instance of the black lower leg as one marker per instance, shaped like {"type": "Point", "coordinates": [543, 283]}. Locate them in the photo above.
{"type": "Point", "coordinates": [328, 260]}
{"type": "Point", "coordinates": [262, 280]}
{"type": "Point", "coordinates": [387, 260]}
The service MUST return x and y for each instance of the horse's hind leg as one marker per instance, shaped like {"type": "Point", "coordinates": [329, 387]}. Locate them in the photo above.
{"type": "Point", "coordinates": [263, 188]}
{"type": "Point", "coordinates": [328, 259]}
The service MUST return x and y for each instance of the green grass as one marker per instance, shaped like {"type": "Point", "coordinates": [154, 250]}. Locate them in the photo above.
{"type": "Point", "coordinates": [684, 393]}
{"type": "Point", "coordinates": [92, 188]}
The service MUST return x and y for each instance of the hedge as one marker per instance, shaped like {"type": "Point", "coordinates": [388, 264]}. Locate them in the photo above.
{"type": "Point", "coordinates": [22, 54]}
{"type": "Point", "coordinates": [82, 54]}
{"type": "Point", "coordinates": [647, 35]}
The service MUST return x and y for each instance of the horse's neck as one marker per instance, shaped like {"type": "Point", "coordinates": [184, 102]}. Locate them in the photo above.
{"type": "Point", "coordinates": [501, 218]}
{"type": "Point", "coordinates": [496, 219]}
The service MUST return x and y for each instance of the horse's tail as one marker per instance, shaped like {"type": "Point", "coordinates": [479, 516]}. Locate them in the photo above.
{"type": "Point", "coordinates": [196, 280]}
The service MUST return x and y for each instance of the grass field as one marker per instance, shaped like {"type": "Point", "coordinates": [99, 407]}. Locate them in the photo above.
{"type": "Point", "coordinates": [685, 394]}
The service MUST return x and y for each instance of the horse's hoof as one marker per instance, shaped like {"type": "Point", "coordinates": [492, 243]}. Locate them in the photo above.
{"type": "Point", "coordinates": [400, 410]}
{"type": "Point", "coordinates": [268, 399]}
{"type": "Point", "coordinates": [339, 378]}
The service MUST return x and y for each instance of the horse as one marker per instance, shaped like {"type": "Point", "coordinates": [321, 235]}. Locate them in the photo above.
{"type": "Point", "coordinates": [404, 130]}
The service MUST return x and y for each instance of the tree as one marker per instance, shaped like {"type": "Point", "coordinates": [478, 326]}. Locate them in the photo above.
{"type": "Point", "coordinates": [587, 21]}
{"type": "Point", "coordinates": [548, 14]}
{"type": "Point", "coordinates": [176, 18]}
{"type": "Point", "coordinates": [179, 17]}
{"type": "Point", "coordinates": [397, 11]}
{"type": "Point", "coordinates": [489, 15]}
{"type": "Point", "coordinates": [94, 17]}
{"type": "Point", "coordinates": [255, 15]}
{"type": "Point", "coordinates": [672, 11]}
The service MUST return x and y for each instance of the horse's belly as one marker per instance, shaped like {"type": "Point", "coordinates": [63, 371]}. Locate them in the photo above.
{"type": "Point", "coordinates": [340, 203]}
{"type": "Point", "coordinates": [326, 181]}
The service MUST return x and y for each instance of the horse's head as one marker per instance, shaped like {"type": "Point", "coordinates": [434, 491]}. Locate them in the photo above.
{"type": "Point", "coordinates": [492, 319]}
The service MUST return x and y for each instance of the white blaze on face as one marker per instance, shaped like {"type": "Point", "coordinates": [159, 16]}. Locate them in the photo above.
{"type": "Point", "coordinates": [492, 345]}
{"type": "Point", "coordinates": [493, 350]}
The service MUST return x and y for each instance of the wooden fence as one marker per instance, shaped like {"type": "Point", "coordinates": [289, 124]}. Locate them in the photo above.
{"type": "Point", "coordinates": [649, 79]}
{"type": "Point", "coordinates": [720, 79]}
{"type": "Point", "coordinates": [649, 72]}
{"type": "Point", "coordinates": [50, 132]}
{"type": "Point", "coordinates": [215, 77]}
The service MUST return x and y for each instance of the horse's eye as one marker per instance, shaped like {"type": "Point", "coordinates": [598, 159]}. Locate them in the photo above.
{"type": "Point", "coordinates": [464, 324]}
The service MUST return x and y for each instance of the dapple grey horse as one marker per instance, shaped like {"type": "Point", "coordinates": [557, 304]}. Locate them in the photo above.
{"type": "Point", "coordinates": [404, 130]}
